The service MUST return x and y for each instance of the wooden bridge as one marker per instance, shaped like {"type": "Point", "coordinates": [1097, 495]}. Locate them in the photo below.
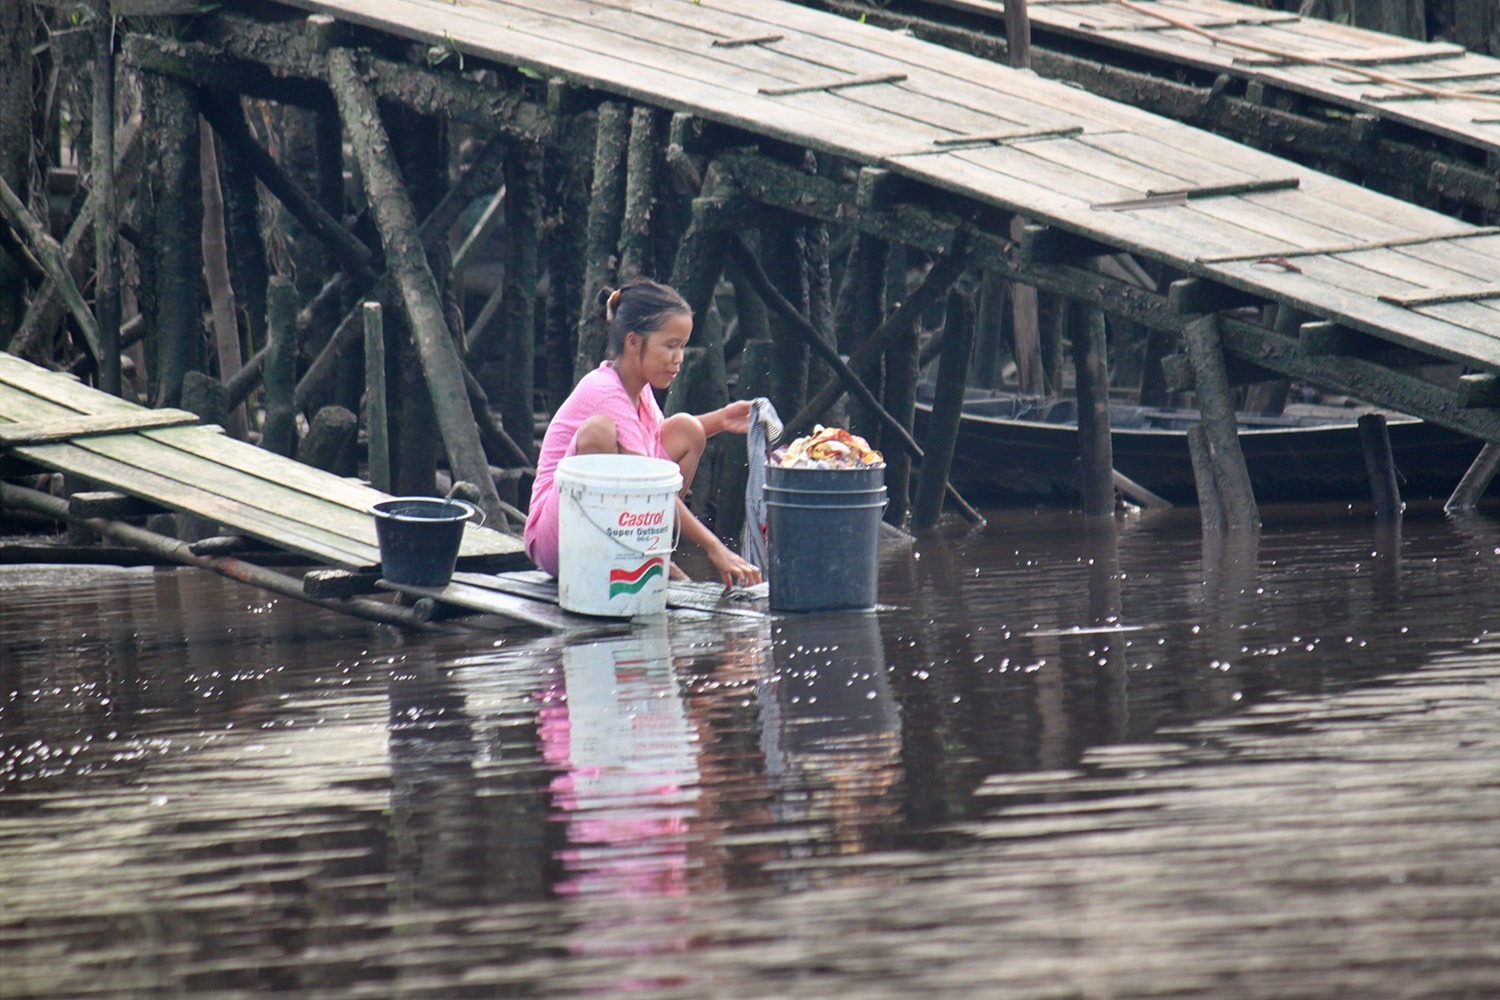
{"type": "Point", "coordinates": [949, 148]}
{"type": "Point", "coordinates": [1419, 120]}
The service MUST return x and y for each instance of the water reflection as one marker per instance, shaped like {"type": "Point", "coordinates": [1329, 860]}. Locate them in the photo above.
{"type": "Point", "coordinates": [205, 792]}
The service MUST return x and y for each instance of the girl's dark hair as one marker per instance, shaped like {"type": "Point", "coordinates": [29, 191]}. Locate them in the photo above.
{"type": "Point", "coordinates": [640, 306]}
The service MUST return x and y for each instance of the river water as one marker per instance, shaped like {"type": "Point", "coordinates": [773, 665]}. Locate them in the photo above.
{"type": "Point", "coordinates": [1064, 759]}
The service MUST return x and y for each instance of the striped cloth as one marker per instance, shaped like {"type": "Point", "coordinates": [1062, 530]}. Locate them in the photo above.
{"type": "Point", "coordinates": [763, 432]}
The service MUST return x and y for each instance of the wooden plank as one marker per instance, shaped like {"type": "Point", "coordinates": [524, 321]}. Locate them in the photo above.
{"type": "Point", "coordinates": [1318, 290]}
{"type": "Point", "coordinates": [493, 602]}
{"type": "Point", "coordinates": [45, 431]}
{"type": "Point", "coordinates": [275, 529]}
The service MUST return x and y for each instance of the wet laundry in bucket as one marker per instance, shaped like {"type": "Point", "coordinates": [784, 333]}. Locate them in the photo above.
{"type": "Point", "coordinates": [828, 448]}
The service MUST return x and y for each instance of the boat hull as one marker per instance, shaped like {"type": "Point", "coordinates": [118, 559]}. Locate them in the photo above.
{"type": "Point", "coordinates": [1008, 462]}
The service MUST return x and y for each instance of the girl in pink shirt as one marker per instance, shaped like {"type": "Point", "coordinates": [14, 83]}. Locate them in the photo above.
{"type": "Point", "coordinates": [612, 411]}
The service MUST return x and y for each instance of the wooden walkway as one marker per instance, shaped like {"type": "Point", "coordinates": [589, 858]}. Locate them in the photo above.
{"type": "Point", "coordinates": [1244, 220]}
{"type": "Point", "coordinates": [54, 422]}
{"type": "Point", "coordinates": [1433, 87]}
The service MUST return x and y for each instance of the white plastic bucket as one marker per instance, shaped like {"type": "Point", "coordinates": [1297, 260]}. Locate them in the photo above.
{"type": "Point", "coordinates": [616, 521]}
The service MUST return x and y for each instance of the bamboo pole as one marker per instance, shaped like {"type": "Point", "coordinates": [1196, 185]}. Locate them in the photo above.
{"type": "Point", "coordinates": [947, 409]}
{"type": "Point", "coordinates": [798, 325]}
{"type": "Point", "coordinates": [179, 551]}
{"type": "Point", "coordinates": [400, 235]}
{"type": "Point", "coordinates": [1091, 376]}
{"type": "Point", "coordinates": [606, 206]}
{"type": "Point", "coordinates": [1215, 400]}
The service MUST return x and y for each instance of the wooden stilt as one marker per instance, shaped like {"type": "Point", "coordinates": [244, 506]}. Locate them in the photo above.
{"type": "Point", "coordinates": [377, 421]}
{"type": "Point", "coordinates": [329, 441]}
{"type": "Point", "coordinates": [1216, 402]}
{"type": "Point", "coordinates": [1058, 330]}
{"type": "Point", "coordinates": [171, 255]}
{"type": "Point", "coordinates": [481, 173]}
{"type": "Point", "coordinates": [1476, 480]}
{"type": "Point", "coordinates": [695, 274]}
{"type": "Point", "coordinates": [53, 260]}
{"type": "Point", "coordinates": [783, 251]}
{"type": "Point", "coordinates": [216, 273]}
{"type": "Point", "coordinates": [106, 228]}
{"type": "Point", "coordinates": [248, 269]}
{"type": "Point", "coordinates": [280, 431]}
{"type": "Point", "coordinates": [1380, 465]}
{"type": "Point", "coordinates": [1210, 507]}
{"type": "Point", "coordinates": [636, 258]}
{"type": "Point", "coordinates": [900, 324]}
{"type": "Point", "coordinates": [800, 327]}
{"type": "Point", "coordinates": [523, 213]}
{"type": "Point", "coordinates": [859, 317]}
{"type": "Point", "coordinates": [606, 206]}
{"type": "Point", "coordinates": [401, 238]}
{"type": "Point", "coordinates": [566, 261]}
{"type": "Point", "coordinates": [947, 410]}
{"type": "Point", "coordinates": [228, 120]}
{"type": "Point", "coordinates": [989, 333]}
{"type": "Point", "coordinates": [1091, 376]}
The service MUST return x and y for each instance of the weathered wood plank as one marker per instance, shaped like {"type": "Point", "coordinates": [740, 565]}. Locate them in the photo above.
{"type": "Point", "coordinates": [323, 545]}
{"type": "Point", "coordinates": [46, 431]}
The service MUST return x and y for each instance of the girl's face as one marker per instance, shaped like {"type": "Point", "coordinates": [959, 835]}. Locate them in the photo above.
{"type": "Point", "coordinates": [660, 354]}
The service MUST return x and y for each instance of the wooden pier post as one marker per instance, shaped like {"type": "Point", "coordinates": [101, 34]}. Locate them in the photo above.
{"type": "Point", "coordinates": [947, 409]}
{"type": "Point", "coordinates": [171, 254]}
{"type": "Point", "coordinates": [377, 419]}
{"type": "Point", "coordinates": [641, 159]}
{"type": "Point", "coordinates": [1476, 480]}
{"type": "Point", "coordinates": [1216, 402]}
{"type": "Point", "coordinates": [523, 217]}
{"type": "Point", "coordinates": [106, 219]}
{"type": "Point", "coordinates": [568, 209]}
{"type": "Point", "coordinates": [1210, 506]}
{"type": "Point", "coordinates": [1380, 465]}
{"type": "Point", "coordinates": [401, 237]}
{"type": "Point", "coordinates": [1095, 449]}
{"type": "Point", "coordinates": [279, 434]}
{"type": "Point", "coordinates": [858, 316]}
{"type": "Point", "coordinates": [606, 208]}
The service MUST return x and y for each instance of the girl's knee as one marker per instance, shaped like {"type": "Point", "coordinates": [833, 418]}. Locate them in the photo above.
{"type": "Point", "coordinates": [682, 435]}
{"type": "Point", "coordinates": [597, 436]}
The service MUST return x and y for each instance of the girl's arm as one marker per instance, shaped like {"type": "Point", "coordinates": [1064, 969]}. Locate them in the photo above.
{"type": "Point", "coordinates": [733, 570]}
{"type": "Point", "coordinates": [734, 418]}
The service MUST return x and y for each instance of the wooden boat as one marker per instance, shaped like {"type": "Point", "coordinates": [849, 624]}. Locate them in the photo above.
{"type": "Point", "coordinates": [1017, 452]}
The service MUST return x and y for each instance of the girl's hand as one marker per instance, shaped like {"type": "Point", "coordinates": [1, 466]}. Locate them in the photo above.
{"type": "Point", "coordinates": [735, 418]}
{"type": "Point", "coordinates": [733, 570]}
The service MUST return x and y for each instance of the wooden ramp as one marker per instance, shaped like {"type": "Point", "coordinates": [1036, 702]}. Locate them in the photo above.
{"type": "Point", "coordinates": [1255, 225]}
{"type": "Point", "coordinates": [52, 421]}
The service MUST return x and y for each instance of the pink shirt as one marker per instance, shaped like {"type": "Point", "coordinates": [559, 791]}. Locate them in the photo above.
{"type": "Point", "coordinates": [637, 427]}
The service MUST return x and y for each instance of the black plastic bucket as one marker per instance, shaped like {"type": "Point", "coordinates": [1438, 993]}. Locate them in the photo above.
{"type": "Point", "coordinates": [419, 538]}
{"type": "Point", "coordinates": [824, 534]}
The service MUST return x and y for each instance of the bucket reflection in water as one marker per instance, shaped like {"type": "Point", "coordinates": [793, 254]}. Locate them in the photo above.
{"type": "Point", "coordinates": [627, 781]}
{"type": "Point", "coordinates": [831, 730]}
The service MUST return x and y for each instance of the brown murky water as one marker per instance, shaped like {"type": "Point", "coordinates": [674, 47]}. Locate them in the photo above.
{"type": "Point", "coordinates": [1064, 760]}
